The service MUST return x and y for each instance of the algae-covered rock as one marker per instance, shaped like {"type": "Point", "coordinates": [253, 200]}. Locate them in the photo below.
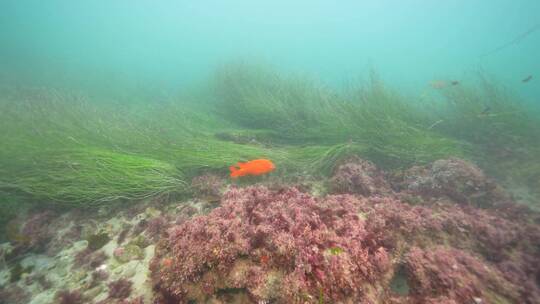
{"type": "Point", "coordinates": [128, 253]}
{"type": "Point", "coordinates": [151, 212]}
{"type": "Point", "coordinates": [16, 272]}
{"type": "Point", "coordinates": [97, 241]}
{"type": "Point", "coordinates": [140, 241]}
{"type": "Point", "coordinates": [453, 178]}
{"type": "Point", "coordinates": [358, 176]}
{"type": "Point", "coordinates": [93, 292]}
{"type": "Point", "coordinates": [208, 187]}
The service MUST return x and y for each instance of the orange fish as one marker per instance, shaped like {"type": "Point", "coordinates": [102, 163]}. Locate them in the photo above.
{"type": "Point", "coordinates": [253, 167]}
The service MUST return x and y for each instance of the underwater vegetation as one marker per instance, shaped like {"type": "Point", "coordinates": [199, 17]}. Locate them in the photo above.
{"type": "Point", "coordinates": [301, 112]}
{"type": "Point", "coordinates": [287, 246]}
{"type": "Point", "coordinates": [62, 148]}
{"type": "Point", "coordinates": [338, 197]}
{"type": "Point", "coordinates": [377, 237]}
{"type": "Point", "coordinates": [274, 245]}
{"type": "Point", "coordinates": [69, 297]}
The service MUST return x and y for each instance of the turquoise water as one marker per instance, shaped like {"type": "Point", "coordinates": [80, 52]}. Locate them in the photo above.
{"type": "Point", "coordinates": [173, 43]}
{"type": "Point", "coordinates": [269, 152]}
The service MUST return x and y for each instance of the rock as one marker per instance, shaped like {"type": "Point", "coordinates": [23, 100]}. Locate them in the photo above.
{"type": "Point", "coordinates": [358, 176]}
{"type": "Point", "coordinates": [128, 253]}
{"type": "Point", "coordinates": [456, 179]}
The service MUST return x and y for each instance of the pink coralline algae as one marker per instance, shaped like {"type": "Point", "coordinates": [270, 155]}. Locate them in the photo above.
{"type": "Point", "coordinates": [89, 259]}
{"type": "Point", "coordinates": [184, 213]}
{"type": "Point", "coordinates": [120, 289]}
{"type": "Point", "coordinates": [14, 294]}
{"type": "Point", "coordinates": [137, 300]}
{"type": "Point", "coordinates": [207, 186]}
{"type": "Point", "coordinates": [282, 246]}
{"type": "Point", "coordinates": [358, 176]}
{"type": "Point", "coordinates": [484, 231]}
{"type": "Point", "coordinates": [156, 226]}
{"type": "Point", "coordinates": [443, 274]}
{"type": "Point", "coordinates": [69, 297]}
{"type": "Point", "coordinates": [285, 246]}
{"type": "Point", "coordinates": [460, 181]}
{"type": "Point", "coordinates": [33, 234]}
{"type": "Point", "coordinates": [508, 246]}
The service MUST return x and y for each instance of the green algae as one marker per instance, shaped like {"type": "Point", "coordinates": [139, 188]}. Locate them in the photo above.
{"type": "Point", "coordinates": [139, 241]}
{"type": "Point", "coordinates": [399, 284]}
{"type": "Point", "coordinates": [94, 176]}
{"type": "Point", "coordinates": [130, 252]}
{"type": "Point", "coordinates": [97, 241]}
{"type": "Point", "coordinates": [321, 296]}
{"type": "Point", "coordinates": [335, 250]}
{"type": "Point", "coordinates": [11, 206]}
{"type": "Point", "coordinates": [14, 235]}
{"type": "Point", "coordinates": [17, 271]}
{"type": "Point", "coordinates": [58, 149]}
{"type": "Point", "coordinates": [494, 297]}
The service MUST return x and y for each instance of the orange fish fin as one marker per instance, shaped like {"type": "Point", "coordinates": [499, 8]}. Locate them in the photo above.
{"type": "Point", "coordinates": [234, 171]}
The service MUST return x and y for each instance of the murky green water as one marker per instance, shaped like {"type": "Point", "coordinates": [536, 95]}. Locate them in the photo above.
{"type": "Point", "coordinates": [383, 151]}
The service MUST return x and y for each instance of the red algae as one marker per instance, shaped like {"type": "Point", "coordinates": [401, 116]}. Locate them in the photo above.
{"type": "Point", "coordinates": [451, 274]}
{"type": "Point", "coordinates": [273, 246]}
{"type": "Point", "coordinates": [69, 297]}
{"type": "Point", "coordinates": [464, 242]}
{"type": "Point", "coordinates": [155, 227]}
{"type": "Point", "coordinates": [120, 289]}
{"type": "Point", "coordinates": [439, 233]}
{"type": "Point", "coordinates": [207, 186]}
{"type": "Point", "coordinates": [455, 179]}
{"type": "Point", "coordinates": [358, 176]}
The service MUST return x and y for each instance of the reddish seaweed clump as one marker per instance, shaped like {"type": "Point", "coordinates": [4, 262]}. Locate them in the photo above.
{"type": "Point", "coordinates": [32, 234]}
{"type": "Point", "coordinates": [156, 226]}
{"type": "Point", "coordinates": [36, 227]}
{"type": "Point", "coordinates": [440, 275]}
{"type": "Point", "coordinates": [455, 179]}
{"type": "Point", "coordinates": [264, 245]}
{"type": "Point", "coordinates": [120, 289]}
{"type": "Point", "coordinates": [462, 241]}
{"type": "Point", "coordinates": [359, 176]}
{"type": "Point", "coordinates": [89, 259]}
{"type": "Point", "coordinates": [207, 186]}
{"type": "Point", "coordinates": [14, 294]}
{"type": "Point", "coordinates": [69, 297]}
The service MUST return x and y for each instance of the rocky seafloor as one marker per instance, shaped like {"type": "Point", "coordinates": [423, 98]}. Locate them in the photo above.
{"type": "Point", "coordinates": [439, 233]}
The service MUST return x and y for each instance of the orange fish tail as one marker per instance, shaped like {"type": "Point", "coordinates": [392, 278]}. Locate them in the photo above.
{"type": "Point", "coordinates": [234, 171]}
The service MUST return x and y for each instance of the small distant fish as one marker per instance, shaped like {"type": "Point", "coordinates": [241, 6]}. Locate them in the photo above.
{"type": "Point", "coordinates": [435, 124]}
{"type": "Point", "coordinates": [438, 84]}
{"type": "Point", "coordinates": [485, 113]}
{"type": "Point", "coordinates": [527, 79]}
{"type": "Point", "coordinates": [253, 167]}
{"type": "Point", "coordinates": [454, 82]}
